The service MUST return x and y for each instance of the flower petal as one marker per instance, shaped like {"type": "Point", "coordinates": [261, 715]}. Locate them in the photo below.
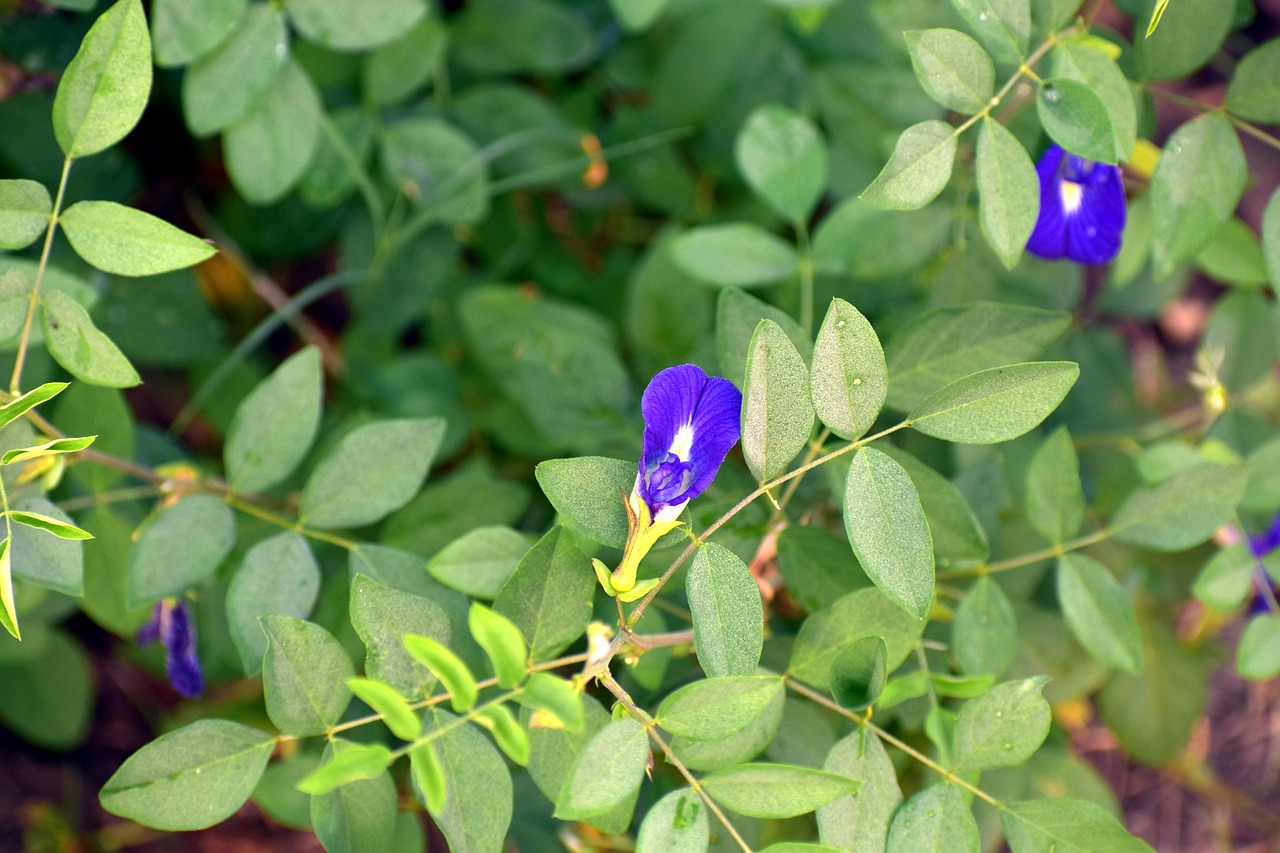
{"type": "Point", "coordinates": [1093, 234]}
{"type": "Point", "coordinates": [180, 661]}
{"type": "Point", "coordinates": [1049, 238]}
{"type": "Point", "coordinates": [668, 404]}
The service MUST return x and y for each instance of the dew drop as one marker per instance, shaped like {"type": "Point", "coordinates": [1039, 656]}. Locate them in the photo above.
{"type": "Point", "coordinates": [999, 714]}
{"type": "Point", "coordinates": [1051, 95]}
{"type": "Point", "coordinates": [857, 381]}
{"type": "Point", "coordinates": [1008, 746]}
{"type": "Point", "coordinates": [982, 16]}
{"type": "Point", "coordinates": [197, 771]}
{"type": "Point", "coordinates": [840, 324]}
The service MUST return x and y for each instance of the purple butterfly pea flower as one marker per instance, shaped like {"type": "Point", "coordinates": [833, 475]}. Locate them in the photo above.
{"type": "Point", "coordinates": [171, 624]}
{"type": "Point", "coordinates": [1082, 209]}
{"type": "Point", "coordinates": [691, 422]}
{"type": "Point", "coordinates": [1260, 546]}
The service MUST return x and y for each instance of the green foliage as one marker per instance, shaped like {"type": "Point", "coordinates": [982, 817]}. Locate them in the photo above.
{"type": "Point", "coordinates": [728, 620]}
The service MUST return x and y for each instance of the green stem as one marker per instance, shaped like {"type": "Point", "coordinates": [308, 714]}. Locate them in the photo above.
{"type": "Point", "coordinates": [238, 502]}
{"type": "Point", "coordinates": [1239, 123]}
{"type": "Point", "coordinates": [1028, 559]}
{"type": "Point", "coordinates": [24, 339]}
{"type": "Point", "coordinates": [363, 182]}
{"type": "Point", "coordinates": [805, 251]}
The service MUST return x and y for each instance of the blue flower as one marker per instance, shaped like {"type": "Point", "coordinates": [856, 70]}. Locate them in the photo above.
{"type": "Point", "coordinates": [171, 624]}
{"type": "Point", "coordinates": [691, 422]}
{"type": "Point", "coordinates": [1082, 210]}
{"type": "Point", "coordinates": [1260, 546]}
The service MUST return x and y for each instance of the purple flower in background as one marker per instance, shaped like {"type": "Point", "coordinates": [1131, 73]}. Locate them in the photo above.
{"type": "Point", "coordinates": [690, 425]}
{"type": "Point", "coordinates": [171, 624]}
{"type": "Point", "coordinates": [1082, 209]}
{"type": "Point", "coordinates": [1262, 545]}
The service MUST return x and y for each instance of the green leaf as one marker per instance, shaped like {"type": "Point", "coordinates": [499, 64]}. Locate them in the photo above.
{"type": "Point", "coordinates": [738, 313]}
{"type": "Point", "coordinates": [103, 91]}
{"type": "Point", "coordinates": [777, 415]}
{"type": "Point", "coordinates": [677, 823]}
{"type": "Point", "coordinates": [384, 700]}
{"type": "Point", "coordinates": [783, 158]}
{"type": "Point", "coordinates": [1183, 511]}
{"type": "Point", "coordinates": [40, 521]}
{"type": "Point", "coordinates": [355, 762]}
{"type": "Point", "coordinates": [1195, 189]}
{"type": "Point", "coordinates": [1002, 728]}
{"type": "Point", "coordinates": [606, 773]}
{"type": "Point", "coordinates": [737, 747]}
{"type": "Point", "coordinates": [438, 167]}
{"type": "Point", "coordinates": [997, 404]}
{"type": "Point", "coordinates": [862, 613]}
{"type": "Point", "coordinates": [358, 817]}
{"type": "Point", "coordinates": [1008, 190]}
{"type": "Point", "coordinates": [353, 24]}
{"type": "Point", "coordinates": [304, 676]}
{"type": "Point", "coordinates": [1004, 26]}
{"type": "Point", "coordinates": [1076, 118]}
{"type": "Point", "coordinates": [858, 675]}
{"type": "Point", "coordinates": [498, 37]}
{"type": "Point", "coordinates": [8, 607]}
{"type": "Point", "coordinates": [54, 562]}
{"type": "Point", "coordinates": [544, 691]}
{"type": "Point", "coordinates": [223, 86]}
{"type": "Point", "coordinates": [78, 345]}
{"type": "Point", "coordinates": [395, 70]}
{"type": "Point", "coordinates": [952, 68]}
{"type": "Point", "coordinates": [734, 255]}
{"type": "Point", "coordinates": [918, 170]}
{"type": "Point", "coordinates": [859, 823]}
{"type": "Point", "coordinates": [776, 790]}
{"type": "Point", "coordinates": [49, 694]}
{"type": "Point", "coordinates": [548, 597]}
{"type": "Point", "coordinates": [935, 820]}
{"type": "Point", "coordinates": [1271, 237]}
{"type": "Point", "coordinates": [887, 529]}
{"type": "Point", "coordinates": [279, 575]}
{"type": "Point", "coordinates": [1099, 612]}
{"type": "Point", "coordinates": [948, 343]}
{"type": "Point", "coordinates": [123, 241]}
{"type": "Point", "coordinates": [1234, 257]}
{"type": "Point", "coordinates": [507, 733]}
{"type": "Point", "coordinates": [817, 566]}
{"type": "Point", "coordinates": [179, 548]}
{"type": "Point", "coordinates": [25, 208]}
{"type": "Point", "coordinates": [1065, 826]}
{"type": "Point", "coordinates": [1075, 60]}
{"type": "Point", "coordinates": [956, 532]}
{"type": "Point", "coordinates": [275, 425]}
{"type": "Point", "coordinates": [1227, 579]}
{"type": "Point", "coordinates": [502, 642]}
{"type": "Point", "coordinates": [185, 30]}
{"type": "Point", "coordinates": [728, 618]}
{"type": "Point", "coordinates": [373, 471]}
{"type": "Point", "coordinates": [428, 776]}
{"type": "Point", "coordinates": [1254, 92]}
{"type": "Point", "coordinates": [588, 492]}
{"type": "Point", "coordinates": [382, 616]}
{"type": "Point", "coordinates": [1189, 36]}
{"type": "Point", "coordinates": [1242, 329]}
{"type": "Point", "coordinates": [1258, 656]}
{"type": "Point", "coordinates": [476, 812]}
{"type": "Point", "coordinates": [849, 379]}
{"type": "Point", "coordinates": [48, 448]}
{"type": "Point", "coordinates": [481, 561]}
{"type": "Point", "coordinates": [717, 707]}
{"type": "Point", "coordinates": [1054, 497]}
{"type": "Point", "coordinates": [269, 149]}
{"type": "Point", "coordinates": [190, 778]}
{"type": "Point", "coordinates": [451, 671]}
{"type": "Point", "coordinates": [984, 635]}
{"type": "Point", "coordinates": [23, 403]}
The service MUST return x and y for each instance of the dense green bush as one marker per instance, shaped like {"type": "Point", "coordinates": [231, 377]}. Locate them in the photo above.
{"type": "Point", "coordinates": [387, 409]}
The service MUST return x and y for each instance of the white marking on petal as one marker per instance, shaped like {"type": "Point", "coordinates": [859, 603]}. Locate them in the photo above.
{"type": "Point", "coordinates": [1072, 194]}
{"type": "Point", "coordinates": [682, 444]}
{"type": "Point", "coordinates": [670, 513]}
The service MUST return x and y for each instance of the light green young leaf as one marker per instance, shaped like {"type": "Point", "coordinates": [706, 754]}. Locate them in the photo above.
{"type": "Point", "coordinates": [1195, 189]}
{"type": "Point", "coordinates": [1008, 190]}
{"type": "Point", "coordinates": [935, 820]}
{"type": "Point", "coordinates": [849, 377]}
{"type": "Point", "coordinates": [734, 255]}
{"type": "Point", "coordinates": [511, 738]}
{"type": "Point", "coordinates": [502, 642]}
{"type": "Point", "coordinates": [51, 561]}
{"type": "Point", "coordinates": [997, 404]}
{"type": "Point", "coordinates": [728, 618]}
{"type": "Point", "coordinates": [351, 25]}
{"type": "Point", "coordinates": [179, 548]}
{"type": "Point", "coordinates": [275, 425]}
{"type": "Point", "coordinates": [1182, 511]}
{"type": "Point", "coordinates": [48, 448]}
{"type": "Point", "coordinates": [984, 635]}
{"type": "Point", "coordinates": [1258, 656]}
{"type": "Point", "coordinates": [355, 762]}
{"type": "Point", "coordinates": [279, 575]}
{"type": "Point", "coordinates": [8, 607]}
{"type": "Point", "coordinates": [77, 344]}
{"type": "Point", "coordinates": [447, 667]}
{"type": "Point", "coordinates": [185, 30]}
{"type": "Point", "coordinates": [1064, 825]}
{"type": "Point", "coordinates": [123, 241]}
{"type": "Point", "coordinates": [103, 91]}
{"type": "Point", "coordinates": [1189, 36]}
{"type": "Point", "coordinates": [887, 529]}
{"type": "Point", "coordinates": [304, 676]}
{"type": "Point", "coordinates": [783, 158]}
{"type": "Point", "coordinates": [862, 613]}
{"type": "Point", "coordinates": [548, 597]}
{"type": "Point", "coordinates": [776, 791]}
{"type": "Point", "coordinates": [717, 707]}
{"type": "Point", "coordinates": [1076, 118]}
{"type": "Point", "coordinates": [1003, 26]}
{"type": "Point", "coordinates": [222, 86]}
{"type": "Point", "coordinates": [1254, 92]}
{"type": "Point", "coordinates": [60, 529]}
{"type": "Point", "coordinates": [481, 561]}
{"type": "Point", "coordinates": [777, 415]}
{"type": "Point", "coordinates": [476, 810]}
{"type": "Point", "coordinates": [606, 772]}
{"type": "Point", "coordinates": [952, 68]}
{"type": "Point", "coordinates": [269, 149]}
{"type": "Point", "coordinates": [25, 208]}
{"type": "Point", "coordinates": [360, 816]}
{"type": "Point", "coordinates": [383, 699]}
{"type": "Point", "coordinates": [428, 776]}
{"type": "Point", "coordinates": [546, 692]}
{"type": "Point", "coordinates": [676, 824]}
{"type": "Point", "coordinates": [1003, 727]}
{"type": "Point", "coordinates": [190, 778]}
{"type": "Point", "coordinates": [918, 170]}
{"type": "Point", "coordinates": [23, 403]}
{"type": "Point", "coordinates": [1099, 612]}
{"type": "Point", "coordinates": [1054, 497]}
{"type": "Point", "coordinates": [373, 471]}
